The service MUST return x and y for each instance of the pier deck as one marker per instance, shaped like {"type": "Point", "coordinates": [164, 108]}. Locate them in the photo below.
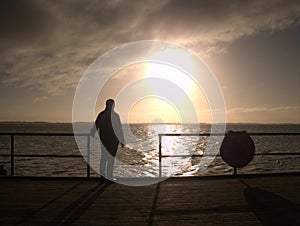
{"type": "Point", "coordinates": [242, 200]}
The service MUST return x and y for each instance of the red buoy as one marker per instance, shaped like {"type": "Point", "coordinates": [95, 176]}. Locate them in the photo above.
{"type": "Point", "coordinates": [237, 149]}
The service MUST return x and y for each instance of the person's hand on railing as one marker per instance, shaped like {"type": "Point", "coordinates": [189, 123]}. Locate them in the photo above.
{"type": "Point", "coordinates": [92, 134]}
{"type": "Point", "coordinates": [93, 131]}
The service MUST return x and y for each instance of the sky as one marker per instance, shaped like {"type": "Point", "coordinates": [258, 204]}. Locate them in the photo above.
{"type": "Point", "coordinates": [252, 48]}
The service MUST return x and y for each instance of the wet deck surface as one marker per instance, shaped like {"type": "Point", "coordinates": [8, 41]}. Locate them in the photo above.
{"type": "Point", "coordinates": [263, 200]}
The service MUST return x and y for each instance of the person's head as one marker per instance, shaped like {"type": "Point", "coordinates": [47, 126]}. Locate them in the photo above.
{"type": "Point", "coordinates": [110, 103]}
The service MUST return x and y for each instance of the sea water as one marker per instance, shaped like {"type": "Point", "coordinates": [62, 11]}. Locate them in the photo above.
{"type": "Point", "coordinates": [140, 157]}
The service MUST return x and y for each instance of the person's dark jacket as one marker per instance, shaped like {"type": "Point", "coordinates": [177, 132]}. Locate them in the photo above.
{"type": "Point", "coordinates": [110, 130]}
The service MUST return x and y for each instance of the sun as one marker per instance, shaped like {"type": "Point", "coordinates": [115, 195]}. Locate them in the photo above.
{"type": "Point", "coordinates": [151, 109]}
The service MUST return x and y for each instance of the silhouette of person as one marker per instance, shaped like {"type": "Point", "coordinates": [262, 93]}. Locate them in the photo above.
{"type": "Point", "coordinates": [3, 172]}
{"type": "Point", "coordinates": [109, 127]}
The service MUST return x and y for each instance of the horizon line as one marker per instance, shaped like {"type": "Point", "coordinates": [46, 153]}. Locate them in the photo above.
{"type": "Point", "coordinates": [137, 123]}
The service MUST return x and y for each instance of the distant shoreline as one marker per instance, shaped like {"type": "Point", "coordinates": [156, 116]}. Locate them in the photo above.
{"type": "Point", "coordinates": [145, 123]}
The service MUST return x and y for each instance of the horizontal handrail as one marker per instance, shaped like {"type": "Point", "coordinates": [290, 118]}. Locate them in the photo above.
{"type": "Point", "coordinates": [44, 134]}
{"type": "Point", "coordinates": [161, 134]}
{"type": "Point", "coordinates": [209, 155]}
{"type": "Point", "coordinates": [222, 134]}
{"type": "Point", "coordinates": [43, 156]}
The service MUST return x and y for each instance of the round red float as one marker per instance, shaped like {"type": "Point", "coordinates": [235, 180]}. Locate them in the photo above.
{"type": "Point", "coordinates": [237, 149]}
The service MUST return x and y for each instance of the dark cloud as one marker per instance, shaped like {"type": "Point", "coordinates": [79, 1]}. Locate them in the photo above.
{"type": "Point", "coordinates": [23, 21]}
{"type": "Point", "coordinates": [210, 22]}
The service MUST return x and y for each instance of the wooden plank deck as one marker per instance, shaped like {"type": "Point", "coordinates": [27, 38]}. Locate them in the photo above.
{"type": "Point", "coordinates": [260, 200]}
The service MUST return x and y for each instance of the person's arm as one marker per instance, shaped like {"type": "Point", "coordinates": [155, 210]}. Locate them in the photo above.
{"type": "Point", "coordinates": [119, 131]}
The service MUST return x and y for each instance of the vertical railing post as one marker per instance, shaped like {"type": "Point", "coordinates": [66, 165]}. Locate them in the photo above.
{"type": "Point", "coordinates": [159, 154]}
{"type": "Point", "coordinates": [88, 169]}
{"type": "Point", "coordinates": [12, 154]}
{"type": "Point", "coordinates": [234, 171]}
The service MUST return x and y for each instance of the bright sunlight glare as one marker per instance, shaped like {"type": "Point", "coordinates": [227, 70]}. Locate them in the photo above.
{"type": "Point", "coordinates": [151, 110]}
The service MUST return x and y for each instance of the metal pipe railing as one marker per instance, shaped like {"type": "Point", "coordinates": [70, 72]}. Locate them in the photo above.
{"type": "Point", "coordinates": [217, 134]}
{"type": "Point", "coordinates": [12, 155]}
{"type": "Point", "coordinates": [88, 169]}
{"type": "Point", "coordinates": [12, 148]}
